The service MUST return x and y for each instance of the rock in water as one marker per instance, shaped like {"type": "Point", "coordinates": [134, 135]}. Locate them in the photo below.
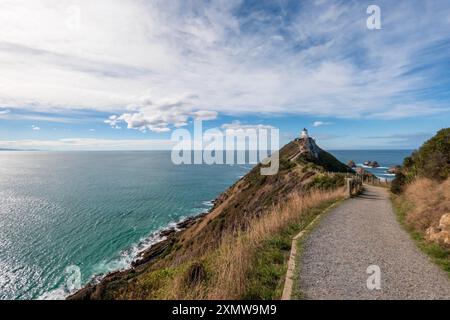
{"type": "Point", "coordinates": [351, 164]}
{"type": "Point", "coordinates": [394, 170]}
{"type": "Point", "coordinates": [373, 164]}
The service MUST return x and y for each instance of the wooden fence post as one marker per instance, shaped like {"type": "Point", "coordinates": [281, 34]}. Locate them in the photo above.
{"type": "Point", "coordinates": [349, 186]}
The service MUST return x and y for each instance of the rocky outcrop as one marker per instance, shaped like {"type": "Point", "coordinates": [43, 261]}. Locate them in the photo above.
{"type": "Point", "coordinates": [308, 148]}
{"type": "Point", "coordinates": [364, 173]}
{"type": "Point", "coordinates": [309, 151]}
{"type": "Point", "coordinates": [373, 164]}
{"type": "Point", "coordinates": [394, 170]}
{"type": "Point", "coordinates": [351, 164]}
{"type": "Point", "coordinates": [441, 233]}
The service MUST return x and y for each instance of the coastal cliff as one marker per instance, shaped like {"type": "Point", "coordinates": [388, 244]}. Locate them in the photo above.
{"type": "Point", "coordinates": [182, 265]}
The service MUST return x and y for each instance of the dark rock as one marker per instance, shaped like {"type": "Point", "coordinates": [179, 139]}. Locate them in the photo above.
{"type": "Point", "coordinates": [153, 252]}
{"type": "Point", "coordinates": [394, 170]}
{"type": "Point", "coordinates": [351, 164]}
{"type": "Point", "coordinates": [373, 164]}
{"type": "Point", "coordinates": [167, 233]}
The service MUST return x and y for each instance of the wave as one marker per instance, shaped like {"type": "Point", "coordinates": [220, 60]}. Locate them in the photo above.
{"type": "Point", "coordinates": [208, 203]}
{"type": "Point", "coordinates": [72, 274]}
{"type": "Point", "coordinates": [369, 167]}
{"type": "Point", "coordinates": [72, 283]}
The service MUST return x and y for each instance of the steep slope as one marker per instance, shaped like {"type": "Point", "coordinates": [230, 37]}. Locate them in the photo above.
{"type": "Point", "coordinates": [303, 166]}
{"type": "Point", "coordinates": [431, 161]}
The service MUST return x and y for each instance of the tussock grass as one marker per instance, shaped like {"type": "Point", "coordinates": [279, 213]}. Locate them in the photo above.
{"type": "Point", "coordinates": [249, 263]}
{"type": "Point", "coordinates": [252, 264]}
{"type": "Point", "coordinates": [429, 201]}
{"type": "Point", "coordinates": [420, 206]}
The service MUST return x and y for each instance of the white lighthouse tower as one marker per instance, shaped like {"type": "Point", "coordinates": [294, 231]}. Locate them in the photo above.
{"type": "Point", "coordinates": [304, 134]}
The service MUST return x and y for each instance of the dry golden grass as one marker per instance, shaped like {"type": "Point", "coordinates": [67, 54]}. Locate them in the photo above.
{"type": "Point", "coordinates": [248, 262]}
{"type": "Point", "coordinates": [428, 201]}
{"type": "Point", "coordinates": [230, 263]}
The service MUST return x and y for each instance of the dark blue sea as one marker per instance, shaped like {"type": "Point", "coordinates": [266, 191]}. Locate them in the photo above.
{"type": "Point", "coordinates": [385, 158]}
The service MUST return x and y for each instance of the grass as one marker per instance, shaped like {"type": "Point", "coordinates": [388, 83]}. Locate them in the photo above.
{"type": "Point", "coordinates": [253, 264]}
{"type": "Point", "coordinates": [297, 293]}
{"type": "Point", "coordinates": [267, 274]}
{"type": "Point", "coordinates": [439, 255]}
{"type": "Point", "coordinates": [327, 181]}
{"type": "Point", "coordinates": [248, 264]}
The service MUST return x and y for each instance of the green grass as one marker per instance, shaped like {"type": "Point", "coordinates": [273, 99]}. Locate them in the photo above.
{"type": "Point", "coordinates": [439, 255]}
{"type": "Point", "coordinates": [267, 275]}
{"type": "Point", "coordinates": [324, 181]}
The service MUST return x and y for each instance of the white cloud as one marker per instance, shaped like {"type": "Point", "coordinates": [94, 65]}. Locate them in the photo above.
{"type": "Point", "coordinates": [326, 63]}
{"type": "Point", "coordinates": [320, 123]}
{"type": "Point", "coordinates": [35, 128]}
{"type": "Point", "coordinates": [158, 116]}
{"type": "Point", "coordinates": [3, 112]}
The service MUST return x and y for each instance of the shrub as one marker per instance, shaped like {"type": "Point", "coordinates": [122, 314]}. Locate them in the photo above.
{"type": "Point", "coordinates": [327, 181]}
{"type": "Point", "coordinates": [398, 183]}
{"type": "Point", "coordinates": [432, 160]}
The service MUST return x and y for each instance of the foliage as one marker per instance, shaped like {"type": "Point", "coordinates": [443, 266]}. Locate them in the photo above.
{"type": "Point", "coordinates": [325, 181]}
{"type": "Point", "coordinates": [398, 183]}
{"type": "Point", "coordinates": [432, 160]}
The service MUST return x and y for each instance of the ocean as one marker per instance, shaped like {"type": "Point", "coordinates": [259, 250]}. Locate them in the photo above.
{"type": "Point", "coordinates": [385, 158]}
{"type": "Point", "coordinates": [66, 217]}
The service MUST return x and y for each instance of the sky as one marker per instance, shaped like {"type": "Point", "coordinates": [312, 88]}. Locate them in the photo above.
{"type": "Point", "coordinates": [123, 74]}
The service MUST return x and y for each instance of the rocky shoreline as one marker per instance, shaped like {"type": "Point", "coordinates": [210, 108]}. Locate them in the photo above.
{"type": "Point", "coordinates": [145, 256]}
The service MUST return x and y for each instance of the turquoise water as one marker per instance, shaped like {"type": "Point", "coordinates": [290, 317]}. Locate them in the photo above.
{"type": "Point", "coordinates": [68, 216]}
{"type": "Point", "coordinates": [65, 217]}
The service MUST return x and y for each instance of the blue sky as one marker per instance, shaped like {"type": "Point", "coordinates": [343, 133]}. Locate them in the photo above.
{"type": "Point", "coordinates": [110, 74]}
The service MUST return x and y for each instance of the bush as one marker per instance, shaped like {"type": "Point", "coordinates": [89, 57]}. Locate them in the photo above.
{"type": "Point", "coordinates": [432, 160]}
{"type": "Point", "coordinates": [327, 181]}
{"type": "Point", "coordinates": [398, 183]}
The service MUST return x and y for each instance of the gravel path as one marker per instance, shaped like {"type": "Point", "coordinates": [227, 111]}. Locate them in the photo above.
{"type": "Point", "coordinates": [363, 231]}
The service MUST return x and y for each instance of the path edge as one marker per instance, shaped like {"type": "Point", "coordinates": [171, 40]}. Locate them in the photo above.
{"type": "Point", "coordinates": [290, 273]}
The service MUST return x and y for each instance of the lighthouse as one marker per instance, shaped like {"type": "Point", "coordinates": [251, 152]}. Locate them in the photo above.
{"type": "Point", "coordinates": [304, 134]}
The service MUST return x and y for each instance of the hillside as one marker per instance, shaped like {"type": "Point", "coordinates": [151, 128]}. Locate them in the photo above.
{"type": "Point", "coordinates": [187, 254]}
{"type": "Point", "coordinates": [432, 160]}
{"type": "Point", "coordinates": [422, 198]}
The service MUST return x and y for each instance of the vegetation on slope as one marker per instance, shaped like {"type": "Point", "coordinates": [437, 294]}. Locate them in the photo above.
{"type": "Point", "coordinates": [422, 196]}
{"type": "Point", "coordinates": [238, 250]}
{"type": "Point", "coordinates": [420, 207]}
{"type": "Point", "coordinates": [432, 161]}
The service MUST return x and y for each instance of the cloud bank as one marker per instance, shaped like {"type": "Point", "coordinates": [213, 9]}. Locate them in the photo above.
{"type": "Point", "coordinates": [310, 57]}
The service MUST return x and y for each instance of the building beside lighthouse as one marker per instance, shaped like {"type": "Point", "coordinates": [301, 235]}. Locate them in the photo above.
{"type": "Point", "coordinates": [304, 134]}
